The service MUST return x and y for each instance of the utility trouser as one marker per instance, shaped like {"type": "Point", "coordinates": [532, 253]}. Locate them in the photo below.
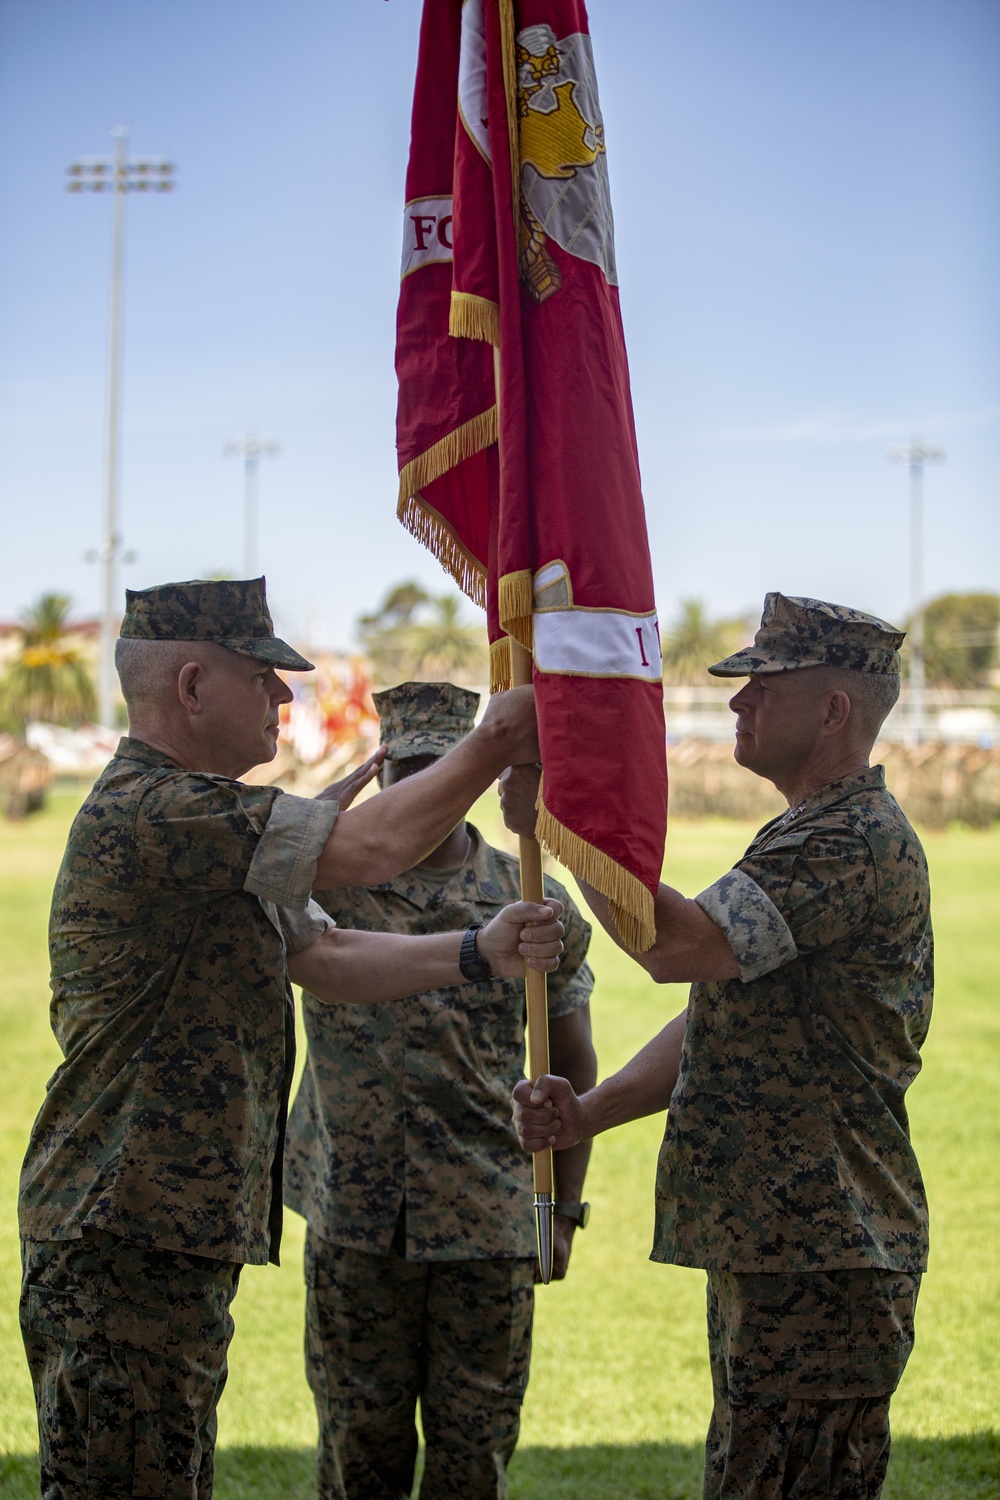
{"type": "Point", "coordinates": [127, 1352]}
{"type": "Point", "coordinates": [383, 1332]}
{"type": "Point", "coordinates": [803, 1367]}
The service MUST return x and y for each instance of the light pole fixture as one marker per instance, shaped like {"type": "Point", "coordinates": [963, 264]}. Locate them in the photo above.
{"type": "Point", "coordinates": [916, 454]}
{"type": "Point", "coordinates": [119, 175]}
{"type": "Point", "coordinates": [251, 449]}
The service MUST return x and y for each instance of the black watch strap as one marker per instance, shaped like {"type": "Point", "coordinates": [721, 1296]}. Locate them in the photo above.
{"type": "Point", "coordinates": [469, 961]}
{"type": "Point", "coordinates": [578, 1212]}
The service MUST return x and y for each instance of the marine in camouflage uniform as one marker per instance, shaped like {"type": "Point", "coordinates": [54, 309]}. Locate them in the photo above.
{"type": "Point", "coordinates": [153, 1171]}
{"type": "Point", "coordinates": [420, 1250]}
{"type": "Point", "coordinates": [786, 1168]}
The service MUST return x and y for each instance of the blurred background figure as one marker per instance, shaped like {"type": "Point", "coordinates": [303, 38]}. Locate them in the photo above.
{"type": "Point", "coordinates": [420, 1253]}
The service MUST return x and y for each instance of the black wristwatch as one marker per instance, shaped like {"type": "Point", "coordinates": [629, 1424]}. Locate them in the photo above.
{"type": "Point", "coordinates": [578, 1212]}
{"type": "Point", "coordinates": [472, 965]}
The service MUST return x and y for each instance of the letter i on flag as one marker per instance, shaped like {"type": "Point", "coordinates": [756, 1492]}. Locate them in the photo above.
{"type": "Point", "coordinates": [516, 443]}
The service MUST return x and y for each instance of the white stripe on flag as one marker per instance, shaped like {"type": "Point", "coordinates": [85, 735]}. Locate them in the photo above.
{"type": "Point", "coordinates": [426, 234]}
{"type": "Point", "coordinates": [597, 643]}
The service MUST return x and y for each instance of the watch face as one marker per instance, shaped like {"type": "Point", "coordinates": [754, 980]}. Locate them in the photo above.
{"type": "Point", "coordinates": [471, 964]}
{"type": "Point", "coordinates": [584, 1215]}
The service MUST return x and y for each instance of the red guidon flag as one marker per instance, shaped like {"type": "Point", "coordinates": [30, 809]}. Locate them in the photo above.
{"type": "Point", "coordinates": [517, 454]}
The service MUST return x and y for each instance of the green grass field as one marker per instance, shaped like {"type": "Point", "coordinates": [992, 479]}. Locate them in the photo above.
{"type": "Point", "coordinates": [619, 1396]}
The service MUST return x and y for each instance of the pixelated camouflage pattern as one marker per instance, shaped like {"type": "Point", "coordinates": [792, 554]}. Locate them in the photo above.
{"type": "Point", "coordinates": [798, 633]}
{"type": "Point", "coordinates": [424, 718]}
{"type": "Point", "coordinates": [803, 1368]}
{"type": "Point", "coordinates": [413, 1100]}
{"type": "Point", "coordinates": [231, 612]}
{"type": "Point", "coordinates": [381, 1332]}
{"type": "Point", "coordinates": [759, 936]}
{"type": "Point", "coordinates": [127, 1352]}
{"type": "Point", "coordinates": [787, 1144]}
{"type": "Point", "coordinates": [165, 1122]}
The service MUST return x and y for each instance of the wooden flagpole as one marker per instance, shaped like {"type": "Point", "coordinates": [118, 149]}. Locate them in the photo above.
{"type": "Point", "coordinates": [538, 1011]}
{"type": "Point", "coordinates": [535, 989]}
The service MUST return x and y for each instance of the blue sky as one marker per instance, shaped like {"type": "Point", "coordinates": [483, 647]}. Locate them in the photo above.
{"type": "Point", "coordinates": [808, 231]}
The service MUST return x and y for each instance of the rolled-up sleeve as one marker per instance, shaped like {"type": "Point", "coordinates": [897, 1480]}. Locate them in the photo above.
{"type": "Point", "coordinates": [301, 929]}
{"type": "Point", "coordinates": [794, 896]}
{"type": "Point", "coordinates": [758, 934]}
{"type": "Point", "coordinates": [826, 887]}
{"type": "Point", "coordinates": [283, 867]}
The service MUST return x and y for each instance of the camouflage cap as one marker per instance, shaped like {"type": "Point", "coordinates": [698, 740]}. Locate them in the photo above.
{"type": "Point", "coordinates": [231, 612]}
{"type": "Point", "coordinates": [424, 718]}
{"type": "Point", "coordinates": [798, 633]}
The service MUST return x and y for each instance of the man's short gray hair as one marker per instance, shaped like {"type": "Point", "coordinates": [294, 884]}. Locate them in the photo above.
{"type": "Point", "coordinates": [873, 696]}
{"type": "Point", "coordinates": [147, 670]}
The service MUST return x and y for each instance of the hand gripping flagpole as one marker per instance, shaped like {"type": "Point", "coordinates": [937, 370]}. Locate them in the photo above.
{"type": "Point", "coordinates": [535, 989]}
{"type": "Point", "coordinates": [538, 1010]}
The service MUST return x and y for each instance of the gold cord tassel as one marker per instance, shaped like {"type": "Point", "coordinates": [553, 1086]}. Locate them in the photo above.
{"type": "Point", "coordinates": [514, 601]}
{"type": "Point", "coordinates": [500, 668]}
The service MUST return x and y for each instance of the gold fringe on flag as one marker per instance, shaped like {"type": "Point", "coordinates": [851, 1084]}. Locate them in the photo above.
{"type": "Point", "coordinates": [432, 530]}
{"type": "Point", "coordinates": [514, 602]}
{"type": "Point", "coordinates": [425, 523]}
{"type": "Point", "coordinates": [508, 46]}
{"type": "Point", "coordinates": [501, 675]}
{"type": "Point", "coordinates": [472, 437]}
{"type": "Point", "coordinates": [630, 902]}
{"type": "Point", "coordinates": [472, 317]}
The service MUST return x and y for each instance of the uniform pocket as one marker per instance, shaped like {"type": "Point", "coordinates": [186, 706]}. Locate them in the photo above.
{"type": "Point", "coordinates": [104, 1378]}
{"type": "Point", "coordinates": [69, 1318]}
{"type": "Point", "coordinates": [492, 1016]}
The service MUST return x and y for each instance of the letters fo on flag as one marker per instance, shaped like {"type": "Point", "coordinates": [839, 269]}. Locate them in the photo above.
{"type": "Point", "coordinates": [529, 494]}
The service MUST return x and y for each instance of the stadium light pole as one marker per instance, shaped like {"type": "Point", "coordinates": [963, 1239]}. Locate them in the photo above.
{"type": "Point", "coordinates": [251, 449]}
{"type": "Point", "coordinates": [916, 455]}
{"type": "Point", "coordinates": [118, 175]}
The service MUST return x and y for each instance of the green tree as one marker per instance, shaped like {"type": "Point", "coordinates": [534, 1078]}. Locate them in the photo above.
{"type": "Point", "coordinates": [423, 636]}
{"type": "Point", "coordinates": [48, 679]}
{"type": "Point", "coordinates": [384, 635]}
{"type": "Point", "coordinates": [693, 641]}
{"type": "Point", "coordinates": [446, 646]}
{"type": "Point", "coordinates": [960, 639]}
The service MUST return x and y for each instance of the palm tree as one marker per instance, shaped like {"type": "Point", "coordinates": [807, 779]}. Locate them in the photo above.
{"type": "Point", "coordinates": [48, 678]}
{"type": "Point", "coordinates": [420, 635]}
{"type": "Point", "coordinates": [384, 635]}
{"type": "Point", "coordinates": [694, 641]}
{"type": "Point", "coordinates": [446, 647]}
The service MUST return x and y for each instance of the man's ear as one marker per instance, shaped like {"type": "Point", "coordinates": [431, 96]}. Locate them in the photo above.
{"type": "Point", "coordinates": [189, 687]}
{"type": "Point", "coordinates": [838, 711]}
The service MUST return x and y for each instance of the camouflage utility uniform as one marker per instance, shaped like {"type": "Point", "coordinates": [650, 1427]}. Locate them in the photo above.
{"type": "Point", "coordinates": [153, 1171]}
{"type": "Point", "coordinates": [786, 1169]}
{"type": "Point", "coordinates": [401, 1156]}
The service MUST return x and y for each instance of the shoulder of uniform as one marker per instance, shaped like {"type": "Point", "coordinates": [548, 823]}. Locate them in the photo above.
{"type": "Point", "coordinates": [508, 861]}
{"type": "Point", "coordinates": [511, 862]}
